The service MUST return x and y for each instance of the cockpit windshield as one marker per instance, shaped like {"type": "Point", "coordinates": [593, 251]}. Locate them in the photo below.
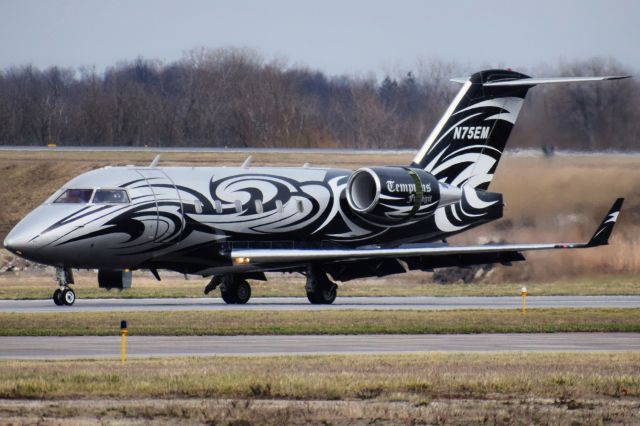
{"type": "Point", "coordinates": [111, 196]}
{"type": "Point", "coordinates": [74, 196]}
{"type": "Point", "coordinates": [101, 196]}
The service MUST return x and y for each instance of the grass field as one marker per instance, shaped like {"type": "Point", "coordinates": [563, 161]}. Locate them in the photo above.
{"type": "Point", "coordinates": [189, 323]}
{"type": "Point", "coordinates": [424, 388]}
{"type": "Point", "coordinates": [30, 286]}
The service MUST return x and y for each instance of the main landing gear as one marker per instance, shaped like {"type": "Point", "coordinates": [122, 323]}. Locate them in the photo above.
{"type": "Point", "coordinates": [64, 295]}
{"type": "Point", "coordinates": [320, 289]}
{"type": "Point", "coordinates": [235, 290]}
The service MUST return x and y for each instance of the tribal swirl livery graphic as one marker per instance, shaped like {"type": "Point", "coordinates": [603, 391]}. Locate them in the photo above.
{"type": "Point", "coordinates": [468, 152]}
{"type": "Point", "coordinates": [255, 203]}
{"type": "Point", "coordinates": [475, 207]}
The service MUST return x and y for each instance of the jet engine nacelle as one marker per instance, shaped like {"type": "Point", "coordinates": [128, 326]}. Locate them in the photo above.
{"type": "Point", "coordinates": [392, 194]}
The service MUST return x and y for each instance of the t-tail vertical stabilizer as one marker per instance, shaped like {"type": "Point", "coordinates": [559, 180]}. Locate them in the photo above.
{"type": "Point", "coordinates": [466, 145]}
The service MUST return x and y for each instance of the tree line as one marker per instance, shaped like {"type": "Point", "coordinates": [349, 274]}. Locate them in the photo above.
{"type": "Point", "coordinates": [235, 98]}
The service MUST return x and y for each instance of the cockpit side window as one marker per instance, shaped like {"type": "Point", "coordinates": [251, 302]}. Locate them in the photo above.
{"type": "Point", "coordinates": [74, 196]}
{"type": "Point", "coordinates": [111, 196]}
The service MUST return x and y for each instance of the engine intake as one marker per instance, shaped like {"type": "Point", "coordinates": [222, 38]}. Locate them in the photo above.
{"type": "Point", "coordinates": [363, 190]}
{"type": "Point", "coordinates": [391, 194]}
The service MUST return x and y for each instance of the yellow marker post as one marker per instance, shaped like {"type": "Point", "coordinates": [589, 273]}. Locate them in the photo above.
{"type": "Point", "coordinates": [523, 306]}
{"type": "Point", "coordinates": [123, 334]}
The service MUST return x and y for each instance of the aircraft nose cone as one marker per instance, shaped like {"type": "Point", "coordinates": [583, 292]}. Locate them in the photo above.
{"type": "Point", "coordinates": [19, 242]}
{"type": "Point", "coordinates": [31, 238]}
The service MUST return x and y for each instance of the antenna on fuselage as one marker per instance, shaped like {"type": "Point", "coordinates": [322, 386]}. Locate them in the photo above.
{"type": "Point", "coordinates": [155, 161]}
{"type": "Point", "coordinates": [247, 162]}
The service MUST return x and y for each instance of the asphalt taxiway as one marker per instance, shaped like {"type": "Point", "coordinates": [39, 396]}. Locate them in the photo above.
{"type": "Point", "coordinates": [154, 346]}
{"type": "Point", "coordinates": [341, 303]}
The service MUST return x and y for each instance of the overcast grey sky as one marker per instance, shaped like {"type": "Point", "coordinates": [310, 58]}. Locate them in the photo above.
{"type": "Point", "coordinates": [334, 36]}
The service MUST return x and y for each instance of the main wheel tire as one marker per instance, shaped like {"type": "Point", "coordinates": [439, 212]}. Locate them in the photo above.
{"type": "Point", "coordinates": [312, 298]}
{"type": "Point", "coordinates": [228, 296]}
{"type": "Point", "coordinates": [323, 295]}
{"type": "Point", "coordinates": [68, 296]}
{"type": "Point", "coordinates": [236, 292]}
{"type": "Point", "coordinates": [243, 292]}
{"type": "Point", "coordinates": [328, 294]}
{"type": "Point", "coordinates": [57, 297]}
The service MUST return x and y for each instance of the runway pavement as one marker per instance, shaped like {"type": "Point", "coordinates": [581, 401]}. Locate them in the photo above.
{"type": "Point", "coordinates": [341, 303]}
{"type": "Point", "coordinates": [153, 346]}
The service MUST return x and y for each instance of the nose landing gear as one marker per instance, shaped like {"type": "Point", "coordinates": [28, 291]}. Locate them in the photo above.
{"type": "Point", "coordinates": [64, 295]}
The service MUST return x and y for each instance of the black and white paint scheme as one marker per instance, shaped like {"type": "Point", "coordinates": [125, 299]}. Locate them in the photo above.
{"type": "Point", "coordinates": [234, 224]}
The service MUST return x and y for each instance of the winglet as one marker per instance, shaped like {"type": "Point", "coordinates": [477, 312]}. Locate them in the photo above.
{"type": "Point", "coordinates": [601, 236]}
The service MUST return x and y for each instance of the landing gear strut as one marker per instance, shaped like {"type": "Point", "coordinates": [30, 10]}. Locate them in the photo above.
{"type": "Point", "coordinates": [64, 295]}
{"type": "Point", "coordinates": [320, 289]}
{"type": "Point", "coordinates": [235, 290]}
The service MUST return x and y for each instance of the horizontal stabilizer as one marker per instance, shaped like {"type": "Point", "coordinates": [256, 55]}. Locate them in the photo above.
{"type": "Point", "coordinates": [551, 80]}
{"type": "Point", "coordinates": [544, 80]}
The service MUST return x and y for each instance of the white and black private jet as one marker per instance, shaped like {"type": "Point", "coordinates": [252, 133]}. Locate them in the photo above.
{"type": "Point", "coordinates": [234, 224]}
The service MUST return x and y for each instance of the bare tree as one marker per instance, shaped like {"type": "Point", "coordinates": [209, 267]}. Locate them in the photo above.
{"type": "Point", "coordinates": [233, 97]}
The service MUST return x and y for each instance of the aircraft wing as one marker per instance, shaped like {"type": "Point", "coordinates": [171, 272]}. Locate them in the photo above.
{"type": "Point", "coordinates": [495, 252]}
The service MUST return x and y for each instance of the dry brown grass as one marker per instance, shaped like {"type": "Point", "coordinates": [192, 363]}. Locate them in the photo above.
{"type": "Point", "coordinates": [427, 388]}
{"type": "Point", "coordinates": [224, 411]}
{"type": "Point", "coordinates": [562, 198]}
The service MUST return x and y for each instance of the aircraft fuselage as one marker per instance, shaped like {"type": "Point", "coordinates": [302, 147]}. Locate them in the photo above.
{"type": "Point", "coordinates": [188, 218]}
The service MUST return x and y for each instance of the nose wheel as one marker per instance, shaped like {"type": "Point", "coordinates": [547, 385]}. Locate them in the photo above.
{"type": "Point", "coordinates": [64, 295]}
